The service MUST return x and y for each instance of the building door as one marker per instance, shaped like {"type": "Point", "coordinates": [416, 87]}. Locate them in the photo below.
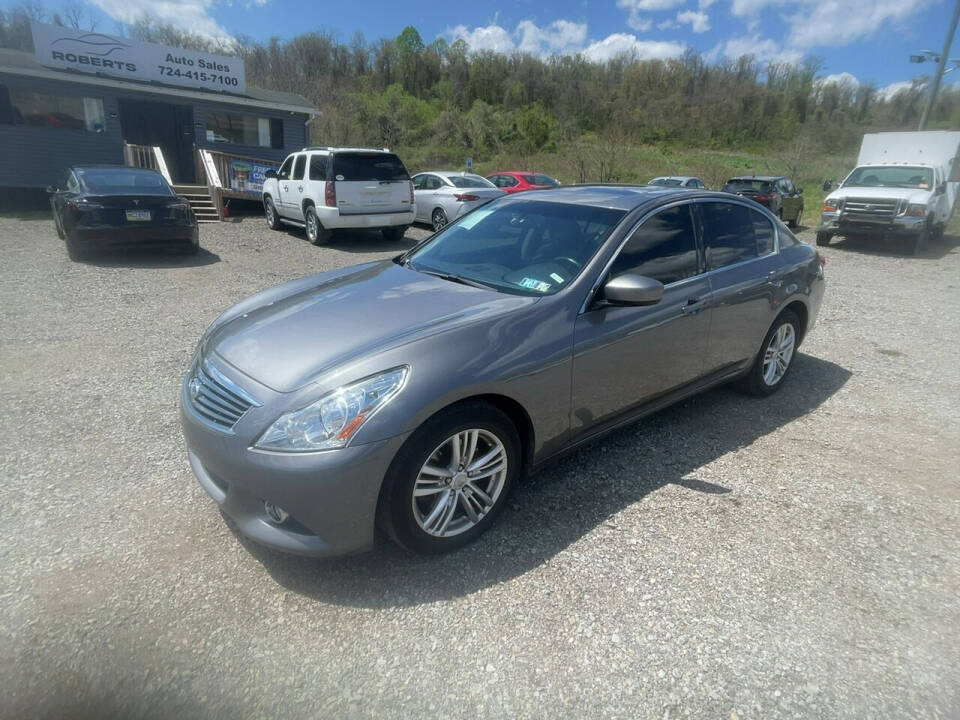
{"type": "Point", "coordinates": [165, 125]}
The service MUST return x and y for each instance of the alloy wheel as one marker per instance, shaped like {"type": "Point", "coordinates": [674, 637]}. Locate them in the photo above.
{"type": "Point", "coordinates": [439, 219]}
{"type": "Point", "coordinates": [311, 226]}
{"type": "Point", "coordinates": [779, 353]}
{"type": "Point", "coordinates": [269, 212]}
{"type": "Point", "coordinates": [460, 483]}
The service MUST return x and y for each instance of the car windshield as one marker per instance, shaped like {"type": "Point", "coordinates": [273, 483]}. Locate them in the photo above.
{"type": "Point", "coordinates": [469, 181]}
{"type": "Point", "coordinates": [107, 181]}
{"type": "Point", "coordinates": [737, 185]}
{"type": "Point", "coordinates": [671, 182]}
{"type": "Point", "coordinates": [538, 179]}
{"type": "Point", "coordinates": [896, 176]}
{"type": "Point", "coordinates": [368, 166]}
{"type": "Point", "coordinates": [525, 247]}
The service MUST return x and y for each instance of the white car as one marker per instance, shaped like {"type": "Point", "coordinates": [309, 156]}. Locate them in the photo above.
{"type": "Point", "coordinates": [323, 189]}
{"type": "Point", "coordinates": [684, 181]}
{"type": "Point", "coordinates": [443, 196]}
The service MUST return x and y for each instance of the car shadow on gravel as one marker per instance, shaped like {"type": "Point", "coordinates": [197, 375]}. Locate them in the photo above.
{"type": "Point", "coordinates": [151, 258]}
{"type": "Point", "coordinates": [895, 247]}
{"type": "Point", "coordinates": [565, 501]}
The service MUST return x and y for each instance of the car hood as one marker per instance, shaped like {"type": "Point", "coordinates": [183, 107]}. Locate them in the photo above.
{"type": "Point", "coordinates": [857, 193]}
{"type": "Point", "coordinates": [287, 341]}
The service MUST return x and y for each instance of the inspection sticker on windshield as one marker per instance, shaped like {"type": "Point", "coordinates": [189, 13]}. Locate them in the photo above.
{"type": "Point", "coordinates": [533, 284]}
{"type": "Point", "coordinates": [557, 278]}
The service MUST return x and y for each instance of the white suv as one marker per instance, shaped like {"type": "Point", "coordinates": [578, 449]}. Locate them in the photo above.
{"type": "Point", "coordinates": [324, 189]}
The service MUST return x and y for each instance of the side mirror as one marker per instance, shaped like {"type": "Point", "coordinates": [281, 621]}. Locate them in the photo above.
{"type": "Point", "coordinates": [941, 189]}
{"type": "Point", "coordinates": [632, 289]}
{"type": "Point", "coordinates": [270, 174]}
{"type": "Point", "coordinates": [827, 185]}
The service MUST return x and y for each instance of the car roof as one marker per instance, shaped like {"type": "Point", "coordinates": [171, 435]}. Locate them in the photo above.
{"type": "Point", "coordinates": [675, 177]}
{"type": "Point", "coordinates": [620, 197]}
{"type": "Point", "coordinates": [518, 172]}
{"type": "Point", "coordinates": [763, 178]}
{"type": "Point", "coordinates": [108, 166]}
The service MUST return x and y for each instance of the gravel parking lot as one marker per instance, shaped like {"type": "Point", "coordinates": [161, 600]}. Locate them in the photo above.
{"type": "Point", "coordinates": [727, 558]}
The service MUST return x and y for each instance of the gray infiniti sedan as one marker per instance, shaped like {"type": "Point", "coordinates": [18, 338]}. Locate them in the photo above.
{"type": "Point", "coordinates": [412, 394]}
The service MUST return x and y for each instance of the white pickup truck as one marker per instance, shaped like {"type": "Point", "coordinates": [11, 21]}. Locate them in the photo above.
{"type": "Point", "coordinates": [904, 186]}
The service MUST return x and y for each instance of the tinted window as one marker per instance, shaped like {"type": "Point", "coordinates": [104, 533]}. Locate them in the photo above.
{"type": "Point", "coordinates": [368, 166]}
{"type": "Point", "coordinates": [299, 166]}
{"type": "Point", "coordinates": [664, 248]}
{"type": "Point", "coordinates": [529, 248]}
{"type": "Point", "coordinates": [507, 181]}
{"type": "Point", "coordinates": [431, 183]}
{"type": "Point", "coordinates": [734, 233]}
{"type": "Point", "coordinates": [284, 172]}
{"type": "Point", "coordinates": [318, 167]}
{"type": "Point", "coordinates": [538, 179]}
{"type": "Point", "coordinates": [107, 181]}
{"type": "Point", "coordinates": [760, 186]}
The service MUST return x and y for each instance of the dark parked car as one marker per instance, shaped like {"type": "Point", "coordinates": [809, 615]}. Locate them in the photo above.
{"type": "Point", "coordinates": [413, 393]}
{"type": "Point", "coordinates": [774, 192]}
{"type": "Point", "coordinates": [111, 205]}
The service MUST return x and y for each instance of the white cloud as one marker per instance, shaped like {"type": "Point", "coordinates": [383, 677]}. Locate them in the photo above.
{"type": "Point", "coordinates": [704, 4]}
{"type": "Point", "coordinates": [763, 49]}
{"type": "Point", "coordinates": [698, 21]}
{"type": "Point", "coordinates": [636, 8]}
{"type": "Point", "coordinates": [625, 44]}
{"type": "Point", "coordinates": [192, 15]}
{"type": "Point", "coordinates": [887, 93]}
{"type": "Point", "coordinates": [822, 23]}
{"type": "Point", "coordinates": [561, 37]}
{"type": "Point", "coordinates": [843, 79]}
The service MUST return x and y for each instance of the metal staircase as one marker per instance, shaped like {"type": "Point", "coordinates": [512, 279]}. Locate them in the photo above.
{"type": "Point", "coordinates": [200, 201]}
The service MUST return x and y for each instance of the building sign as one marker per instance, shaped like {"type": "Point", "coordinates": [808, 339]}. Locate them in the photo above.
{"type": "Point", "coordinates": [93, 52]}
{"type": "Point", "coordinates": [248, 175]}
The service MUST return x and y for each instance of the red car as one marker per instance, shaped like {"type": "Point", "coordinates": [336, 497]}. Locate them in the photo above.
{"type": "Point", "coordinates": [519, 181]}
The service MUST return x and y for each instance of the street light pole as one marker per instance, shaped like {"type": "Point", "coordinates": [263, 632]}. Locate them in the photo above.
{"type": "Point", "coordinates": [941, 66]}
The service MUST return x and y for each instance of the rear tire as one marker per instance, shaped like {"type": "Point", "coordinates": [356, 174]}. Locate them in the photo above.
{"type": "Point", "coordinates": [270, 212]}
{"type": "Point", "coordinates": [773, 362]}
{"type": "Point", "coordinates": [798, 220]}
{"type": "Point", "coordinates": [823, 239]}
{"type": "Point", "coordinates": [404, 515]}
{"type": "Point", "coordinates": [438, 219]}
{"type": "Point", "coordinates": [394, 234]}
{"type": "Point", "coordinates": [77, 252]}
{"type": "Point", "coordinates": [316, 233]}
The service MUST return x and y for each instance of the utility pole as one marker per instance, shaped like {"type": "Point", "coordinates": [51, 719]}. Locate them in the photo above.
{"type": "Point", "coordinates": [941, 66]}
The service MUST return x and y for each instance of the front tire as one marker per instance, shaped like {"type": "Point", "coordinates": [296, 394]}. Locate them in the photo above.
{"type": "Point", "coordinates": [823, 239]}
{"type": "Point", "coordinates": [270, 212]}
{"type": "Point", "coordinates": [922, 241]}
{"type": "Point", "coordinates": [450, 479]}
{"type": "Point", "coordinates": [773, 362]}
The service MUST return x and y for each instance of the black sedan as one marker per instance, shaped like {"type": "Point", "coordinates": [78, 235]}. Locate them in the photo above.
{"type": "Point", "coordinates": [108, 205]}
{"type": "Point", "coordinates": [775, 192]}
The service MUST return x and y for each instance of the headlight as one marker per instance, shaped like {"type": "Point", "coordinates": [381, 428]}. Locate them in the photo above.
{"type": "Point", "coordinates": [916, 210]}
{"type": "Point", "coordinates": [332, 420]}
{"type": "Point", "coordinates": [832, 205]}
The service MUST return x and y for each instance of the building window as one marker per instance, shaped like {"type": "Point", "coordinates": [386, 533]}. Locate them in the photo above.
{"type": "Point", "coordinates": [19, 106]}
{"type": "Point", "coordinates": [225, 127]}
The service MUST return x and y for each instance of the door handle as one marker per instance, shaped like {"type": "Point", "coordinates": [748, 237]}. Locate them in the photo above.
{"type": "Point", "coordinates": [695, 304]}
{"type": "Point", "coordinates": [300, 188]}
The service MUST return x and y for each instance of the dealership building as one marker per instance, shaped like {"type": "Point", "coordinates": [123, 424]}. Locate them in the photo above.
{"type": "Point", "coordinates": [90, 98]}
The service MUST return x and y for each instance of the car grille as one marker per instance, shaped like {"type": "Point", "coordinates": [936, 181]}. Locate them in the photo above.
{"type": "Point", "coordinates": [878, 210]}
{"type": "Point", "coordinates": [215, 398]}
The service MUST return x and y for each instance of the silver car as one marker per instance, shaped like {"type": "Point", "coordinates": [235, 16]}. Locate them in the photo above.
{"type": "Point", "coordinates": [443, 196]}
{"type": "Point", "coordinates": [684, 181]}
{"type": "Point", "coordinates": [413, 393]}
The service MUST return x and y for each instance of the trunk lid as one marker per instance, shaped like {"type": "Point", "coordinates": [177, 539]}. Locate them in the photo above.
{"type": "Point", "coordinates": [370, 182]}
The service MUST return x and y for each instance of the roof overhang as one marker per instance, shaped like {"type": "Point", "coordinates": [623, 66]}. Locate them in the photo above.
{"type": "Point", "coordinates": [155, 89]}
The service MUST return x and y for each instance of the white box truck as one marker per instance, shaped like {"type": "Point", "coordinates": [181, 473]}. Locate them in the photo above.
{"type": "Point", "coordinates": [904, 186]}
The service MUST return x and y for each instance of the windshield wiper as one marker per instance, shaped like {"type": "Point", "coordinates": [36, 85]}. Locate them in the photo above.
{"type": "Point", "coordinates": [453, 278]}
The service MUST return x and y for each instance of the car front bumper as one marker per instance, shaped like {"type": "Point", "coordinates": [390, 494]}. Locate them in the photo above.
{"type": "Point", "coordinates": [901, 226]}
{"type": "Point", "coordinates": [331, 496]}
{"type": "Point", "coordinates": [332, 219]}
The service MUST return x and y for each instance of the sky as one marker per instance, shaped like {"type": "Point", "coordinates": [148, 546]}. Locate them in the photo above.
{"type": "Point", "coordinates": [858, 41]}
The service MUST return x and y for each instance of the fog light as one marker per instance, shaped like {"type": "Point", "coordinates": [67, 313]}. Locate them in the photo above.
{"type": "Point", "coordinates": [276, 514]}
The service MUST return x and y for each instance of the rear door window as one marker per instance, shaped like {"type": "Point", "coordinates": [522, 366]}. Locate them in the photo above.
{"type": "Point", "coordinates": [366, 167]}
{"type": "Point", "coordinates": [734, 233]}
{"type": "Point", "coordinates": [664, 248]}
{"type": "Point", "coordinates": [318, 167]}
